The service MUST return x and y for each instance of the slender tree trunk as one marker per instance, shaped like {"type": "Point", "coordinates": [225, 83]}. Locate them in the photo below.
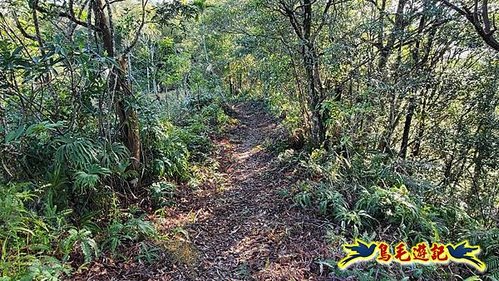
{"type": "Point", "coordinates": [397, 28]}
{"type": "Point", "coordinates": [129, 122]}
{"type": "Point", "coordinates": [449, 161]}
{"type": "Point", "coordinates": [301, 21]}
{"type": "Point", "coordinates": [416, 149]}
{"type": "Point", "coordinates": [314, 84]}
{"type": "Point", "coordinates": [385, 52]}
{"type": "Point", "coordinates": [407, 128]}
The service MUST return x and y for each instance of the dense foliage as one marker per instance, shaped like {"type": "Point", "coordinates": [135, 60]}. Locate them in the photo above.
{"type": "Point", "coordinates": [107, 107]}
{"type": "Point", "coordinates": [96, 115]}
{"type": "Point", "coordinates": [398, 101]}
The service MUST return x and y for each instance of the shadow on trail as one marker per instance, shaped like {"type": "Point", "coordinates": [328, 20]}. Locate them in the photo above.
{"type": "Point", "coordinates": [237, 226]}
{"type": "Point", "coordinates": [248, 231]}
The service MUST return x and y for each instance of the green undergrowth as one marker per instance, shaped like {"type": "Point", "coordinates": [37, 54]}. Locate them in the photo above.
{"type": "Point", "coordinates": [368, 197]}
{"type": "Point", "coordinates": [74, 200]}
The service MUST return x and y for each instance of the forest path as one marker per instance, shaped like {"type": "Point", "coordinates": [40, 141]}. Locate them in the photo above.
{"type": "Point", "coordinates": [241, 228]}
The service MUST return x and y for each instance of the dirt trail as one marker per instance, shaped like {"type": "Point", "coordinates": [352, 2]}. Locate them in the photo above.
{"type": "Point", "coordinates": [236, 226]}
{"type": "Point", "coordinates": [247, 231]}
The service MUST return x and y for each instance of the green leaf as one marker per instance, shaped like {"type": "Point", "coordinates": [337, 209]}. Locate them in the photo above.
{"type": "Point", "coordinates": [14, 135]}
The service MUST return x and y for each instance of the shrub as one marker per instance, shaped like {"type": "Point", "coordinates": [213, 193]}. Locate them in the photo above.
{"type": "Point", "coordinates": [26, 238]}
{"type": "Point", "coordinates": [167, 152]}
{"type": "Point", "coordinates": [120, 231]}
{"type": "Point", "coordinates": [161, 194]}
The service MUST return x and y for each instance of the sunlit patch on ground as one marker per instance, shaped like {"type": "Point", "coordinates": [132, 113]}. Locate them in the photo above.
{"type": "Point", "coordinates": [240, 228]}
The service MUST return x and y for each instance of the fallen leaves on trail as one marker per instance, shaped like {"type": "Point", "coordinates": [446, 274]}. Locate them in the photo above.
{"type": "Point", "coordinates": [240, 228]}
{"type": "Point", "coordinates": [252, 232]}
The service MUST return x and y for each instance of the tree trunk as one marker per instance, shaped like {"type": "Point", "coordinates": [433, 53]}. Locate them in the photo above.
{"type": "Point", "coordinates": [416, 149]}
{"type": "Point", "coordinates": [129, 122]}
{"type": "Point", "coordinates": [314, 84]}
{"type": "Point", "coordinates": [407, 128]}
{"type": "Point", "coordinates": [397, 28]}
{"type": "Point", "coordinates": [385, 52]}
{"type": "Point", "coordinates": [302, 24]}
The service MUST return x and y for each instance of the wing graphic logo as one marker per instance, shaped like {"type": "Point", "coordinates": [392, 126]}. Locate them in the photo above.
{"type": "Point", "coordinates": [357, 252]}
{"type": "Point", "coordinates": [465, 253]}
{"type": "Point", "coordinates": [421, 253]}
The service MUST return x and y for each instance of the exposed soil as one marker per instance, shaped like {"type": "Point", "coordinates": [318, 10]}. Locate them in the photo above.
{"type": "Point", "coordinates": [239, 227]}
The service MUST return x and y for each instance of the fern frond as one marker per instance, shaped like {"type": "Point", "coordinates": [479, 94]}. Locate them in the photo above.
{"type": "Point", "coordinates": [90, 177]}
{"type": "Point", "coordinates": [75, 153]}
{"type": "Point", "coordinates": [113, 154]}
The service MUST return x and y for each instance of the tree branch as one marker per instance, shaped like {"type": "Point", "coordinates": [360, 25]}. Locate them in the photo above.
{"type": "Point", "coordinates": [137, 35]}
{"type": "Point", "coordinates": [69, 16]}
{"type": "Point", "coordinates": [21, 29]}
{"type": "Point", "coordinates": [484, 30]}
{"type": "Point", "coordinates": [286, 11]}
{"type": "Point", "coordinates": [323, 19]}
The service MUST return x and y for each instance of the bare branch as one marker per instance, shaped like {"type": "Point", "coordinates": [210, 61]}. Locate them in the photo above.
{"type": "Point", "coordinates": [485, 17]}
{"type": "Point", "coordinates": [286, 11]}
{"type": "Point", "coordinates": [69, 16]}
{"type": "Point", "coordinates": [21, 29]}
{"type": "Point", "coordinates": [323, 19]}
{"type": "Point", "coordinates": [137, 35]}
{"type": "Point", "coordinates": [484, 30]}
